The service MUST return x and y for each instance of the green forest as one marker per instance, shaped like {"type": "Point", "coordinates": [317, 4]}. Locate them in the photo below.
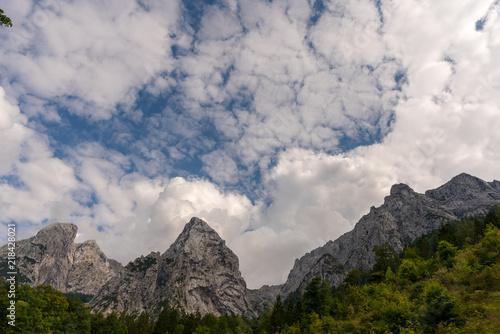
{"type": "Point", "coordinates": [447, 281]}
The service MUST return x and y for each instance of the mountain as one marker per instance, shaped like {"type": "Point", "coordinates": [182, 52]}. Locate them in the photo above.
{"type": "Point", "coordinates": [52, 258]}
{"type": "Point", "coordinates": [198, 273]}
{"type": "Point", "coordinates": [404, 216]}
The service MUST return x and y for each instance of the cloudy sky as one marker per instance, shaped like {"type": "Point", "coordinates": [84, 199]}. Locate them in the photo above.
{"type": "Point", "coordinates": [278, 122]}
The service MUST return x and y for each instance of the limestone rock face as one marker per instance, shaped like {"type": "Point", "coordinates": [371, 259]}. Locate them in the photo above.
{"type": "Point", "coordinates": [198, 273]}
{"type": "Point", "coordinates": [52, 258]}
{"type": "Point", "coordinates": [404, 216]}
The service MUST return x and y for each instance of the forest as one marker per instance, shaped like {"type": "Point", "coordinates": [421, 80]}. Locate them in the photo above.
{"type": "Point", "coordinates": [447, 281]}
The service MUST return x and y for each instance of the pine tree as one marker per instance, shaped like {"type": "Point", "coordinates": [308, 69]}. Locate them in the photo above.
{"type": "Point", "coordinates": [278, 316]}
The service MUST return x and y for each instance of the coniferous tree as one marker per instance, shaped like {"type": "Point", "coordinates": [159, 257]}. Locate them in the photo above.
{"type": "Point", "coordinates": [167, 321]}
{"type": "Point", "coordinates": [278, 316]}
{"type": "Point", "coordinates": [354, 278]}
{"type": "Point", "coordinates": [385, 258]}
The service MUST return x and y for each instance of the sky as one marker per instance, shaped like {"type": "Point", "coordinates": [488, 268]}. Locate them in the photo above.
{"type": "Point", "coordinates": [280, 123]}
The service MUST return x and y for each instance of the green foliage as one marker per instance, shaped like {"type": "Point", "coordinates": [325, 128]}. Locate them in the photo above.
{"type": "Point", "coordinates": [317, 296]}
{"type": "Point", "coordinates": [385, 258]}
{"type": "Point", "coordinates": [45, 310]}
{"type": "Point", "coordinates": [441, 305]}
{"type": "Point", "coordinates": [409, 270]}
{"type": "Point", "coordinates": [4, 20]}
{"type": "Point", "coordinates": [277, 316]}
{"type": "Point", "coordinates": [354, 278]}
{"type": "Point", "coordinates": [109, 325]}
{"type": "Point", "coordinates": [446, 252]}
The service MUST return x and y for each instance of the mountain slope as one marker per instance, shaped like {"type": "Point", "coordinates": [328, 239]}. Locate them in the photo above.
{"type": "Point", "coordinates": [52, 258]}
{"type": "Point", "coordinates": [404, 216]}
{"type": "Point", "coordinates": [198, 273]}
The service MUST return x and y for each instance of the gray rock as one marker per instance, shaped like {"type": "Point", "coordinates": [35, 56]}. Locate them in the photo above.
{"type": "Point", "coordinates": [52, 258]}
{"type": "Point", "coordinates": [197, 273]}
{"type": "Point", "coordinates": [260, 299]}
{"type": "Point", "coordinates": [404, 216]}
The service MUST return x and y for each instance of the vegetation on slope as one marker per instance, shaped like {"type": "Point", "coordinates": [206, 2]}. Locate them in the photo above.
{"type": "Point", "coordinates": [447, 281]}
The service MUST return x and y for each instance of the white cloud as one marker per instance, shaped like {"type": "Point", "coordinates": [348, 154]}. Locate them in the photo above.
{"type": "Point", "coordinates": [293, 94]}
{"type": "Point", "coordinates": [35, 182]}
{"type": "Point", "coordinates": [266, 256]}
{"type": "Point", "coordinates": [12, 132]}
{"type": "Point", "coordinates": [218, 24]}
{"type": "Point", "coordinates": [221, 167]}
{"type": "Point", "coordinates": [86, 52]}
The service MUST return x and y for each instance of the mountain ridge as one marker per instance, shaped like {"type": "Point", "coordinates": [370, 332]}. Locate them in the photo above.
{"type": "Point", "coordinates": [199, 273]}
{"type": "Point", "coordinates": [404, 215]}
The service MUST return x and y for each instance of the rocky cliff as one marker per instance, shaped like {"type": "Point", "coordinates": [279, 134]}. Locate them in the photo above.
{"type": "Point", "coordinates": [51, 257]}
{"type": "Point", "coordinates": [198, 273]}
{"type": "Point", "coordinates": [404, 216]}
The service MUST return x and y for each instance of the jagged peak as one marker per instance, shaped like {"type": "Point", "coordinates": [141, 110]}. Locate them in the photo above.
{"type": "Point", "coordinates": [90, 242]}
{"type": "Point", "coordinates": [464, 178]}
{"type": "Point", "coordinates": [467, 181]}
{"type": "Point", "coordinates": [197, 223]}
{"type": "Point", "coordinates": [196, 231]}
{"type": "Point", "coordinates": [197, 226]}
{"type": "Point", "coordinates": [463, 181]}
{"type": "Point", "coordinates": [60, 231]}
{"type": "Point", "coordinates": [60, 226]}
{"type": "Point", "coordinates": [401, 188]}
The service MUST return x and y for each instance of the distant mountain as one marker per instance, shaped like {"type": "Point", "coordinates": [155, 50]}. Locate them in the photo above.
{"type": "Point", "coordinates": [52, 258]}
{"type": "Point", "coordinates": [198, 273]}
{"type": "Point", "coordinates": [404, 216]}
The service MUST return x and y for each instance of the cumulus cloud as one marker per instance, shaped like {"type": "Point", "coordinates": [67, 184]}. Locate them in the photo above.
{"type": "Point", "coordinates": [279, 82]}
{"type": "Point", "coordinates": [12, 130]}
{"type": "Point", "coordinates": [221, 167]}
{"type": "Point", "coordinates": [32, 182]}
{"type": "Point", "coordinates": [88, 55]}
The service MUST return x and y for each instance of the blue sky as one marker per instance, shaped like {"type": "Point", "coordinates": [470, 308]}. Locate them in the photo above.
{"type": "Point", "coordinates": [278, 122]}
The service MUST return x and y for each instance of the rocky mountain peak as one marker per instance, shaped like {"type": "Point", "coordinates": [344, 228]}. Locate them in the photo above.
{"type": "Point", "coordinates": [198, 272]}
{"type": "Point", "coordinates": [464, 178]}
{"type": "Point", "coordinates": [51, 257]}
{"type": "Point", "coordinates": [466, 195]}
{"type": "Point", "coordinates": [460, 185]}
{"type": "Point", "coordinates": [196, 238]}
{"type": "Point", "coordinates": [197, 225]}
{"type": "Point", "coordinates": [56, 236]}
{"type": "Point", "coordinates": [401, 189]}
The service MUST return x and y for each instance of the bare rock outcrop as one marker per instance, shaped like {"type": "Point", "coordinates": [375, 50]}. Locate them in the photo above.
{"type": "Point", "coordinates": [52, 258]}
{"type": "Point", "coordinates": [198, 273]}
